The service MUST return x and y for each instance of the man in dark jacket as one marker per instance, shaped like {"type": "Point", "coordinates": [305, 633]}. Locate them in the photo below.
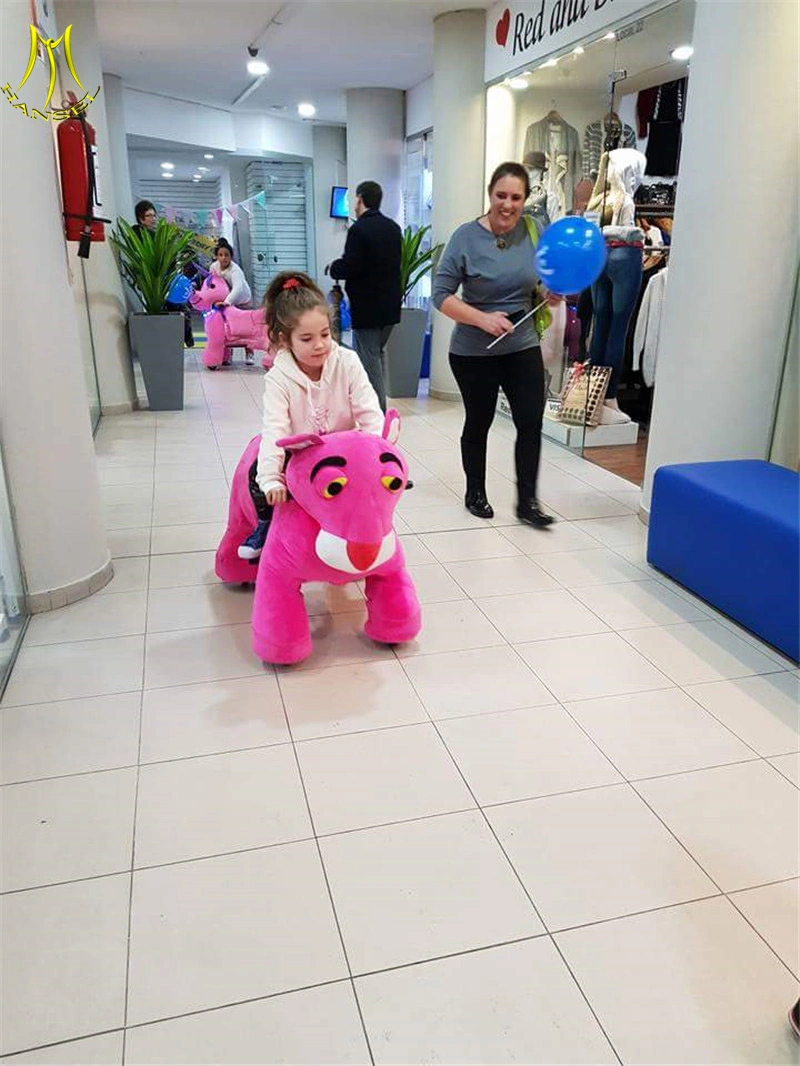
{"type": "Point", "coordinates": [370, 268]}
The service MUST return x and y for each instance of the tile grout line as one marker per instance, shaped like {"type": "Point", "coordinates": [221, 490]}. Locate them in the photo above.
{"type": "Point", "coordinates": [519, 879]}
{"type": "Point", "coordinates": [324, 870]}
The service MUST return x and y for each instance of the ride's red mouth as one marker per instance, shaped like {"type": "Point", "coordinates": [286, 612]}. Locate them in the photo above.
{"type": "Point", "coordinates": [362, 556]}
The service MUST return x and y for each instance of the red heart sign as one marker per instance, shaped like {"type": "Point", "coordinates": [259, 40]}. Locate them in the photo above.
{"type": "Point", "coordinates": [502, 28]}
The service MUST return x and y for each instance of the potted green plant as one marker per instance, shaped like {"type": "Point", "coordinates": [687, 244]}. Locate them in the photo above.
{"type": "Point", "coordinates": [404, 349]}
{"type": "Point", "coordinates": [149, 262]}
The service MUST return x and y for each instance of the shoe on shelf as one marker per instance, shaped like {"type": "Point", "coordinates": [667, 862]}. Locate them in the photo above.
{"type": "Point", "coordinates": [477, 504]}
{"type": "Point", "coordinates": [251, 548]}
{"type": "Point", "coordinates": [249, 358]}
{"type": "Point", "coordinates": [529, 512]}
{"type": "Point", "coordinates": [611, 415]}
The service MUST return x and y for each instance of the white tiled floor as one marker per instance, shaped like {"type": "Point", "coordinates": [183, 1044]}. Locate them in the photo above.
{"type": "Point", "coordinates": [560, 827]}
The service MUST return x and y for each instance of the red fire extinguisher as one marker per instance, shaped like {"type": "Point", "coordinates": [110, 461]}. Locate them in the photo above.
{"type": "Point", "coordinates": [77, 158]}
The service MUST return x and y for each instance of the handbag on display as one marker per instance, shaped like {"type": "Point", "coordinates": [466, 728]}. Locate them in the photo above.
{"type": "Point", "coordinates": [583, 394]}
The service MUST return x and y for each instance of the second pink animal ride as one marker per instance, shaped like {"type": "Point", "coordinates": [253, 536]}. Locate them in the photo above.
{"type": "Point", "coordinates": [336, 528]}
{"type": "Point", "coordinates": [229, 327]}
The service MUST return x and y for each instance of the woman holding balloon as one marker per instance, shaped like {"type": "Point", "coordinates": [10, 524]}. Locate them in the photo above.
{"type": "Point", "coordinates": [495, 343]}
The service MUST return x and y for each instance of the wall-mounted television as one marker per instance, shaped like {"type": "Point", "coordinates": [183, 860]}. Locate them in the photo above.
{"type": "Point", "coordinates": [340, 207]}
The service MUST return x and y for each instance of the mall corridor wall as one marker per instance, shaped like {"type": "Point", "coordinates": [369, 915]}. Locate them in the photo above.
{"type": "Point", "coordinates": [45, 433]}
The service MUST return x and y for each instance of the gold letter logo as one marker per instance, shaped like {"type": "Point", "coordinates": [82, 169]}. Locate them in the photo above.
{"type": "Point", "coordinates": [50, 44]}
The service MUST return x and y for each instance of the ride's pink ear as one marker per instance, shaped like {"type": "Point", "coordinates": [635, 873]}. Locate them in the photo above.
{"type": "Point", "coordinates": [391, 425]}
{"type": "Point", "coordinates": [298, 443]}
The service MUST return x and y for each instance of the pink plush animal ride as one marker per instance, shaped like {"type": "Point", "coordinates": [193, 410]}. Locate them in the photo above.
{"type": "Point", "coordinates": [336, 527]}
{"type": "Point", "coordinates": [229, 327]}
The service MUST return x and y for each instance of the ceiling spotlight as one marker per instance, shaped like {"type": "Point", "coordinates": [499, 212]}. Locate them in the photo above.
{"type": "Point", "coordinates": [208, 155]}
{"type": "Point", "coordinates": [578, 51]}
{"type": "Point", "coordinates": [197, 177]}
{"type": "Point", "coordinates": [167, 166]}
{"type": "Point", "coordinates": [683, 51]}
{"type": "Point", "coordinates": [203, 170]}
{"type": "Point", "coordinates": [306, 110]}
{"type": "Point", "coordinates": [167, 174]}
{"type": "Point", "coordinates": [610, 36]}
{"type": "Point", "coordinates": [549, 63]}
{"type": "Point", "coordinates": [255, 66]}
{"type": "Point", "coordinates": [195, 180]}
{"type": "Point", "coordinates": [517, 83]}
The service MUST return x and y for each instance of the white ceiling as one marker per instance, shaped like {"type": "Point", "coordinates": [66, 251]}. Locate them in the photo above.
{"type": "Point", "coordinates": [196, 50]}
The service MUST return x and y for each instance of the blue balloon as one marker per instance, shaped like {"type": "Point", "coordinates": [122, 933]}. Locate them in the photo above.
{"type": "Point", "coordinates": [570, 255]}
{"type": "Point", "coordinates": [180, 290]}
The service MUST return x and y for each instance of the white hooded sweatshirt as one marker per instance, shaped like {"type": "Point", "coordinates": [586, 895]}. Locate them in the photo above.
{"type": "Point", "coordinates": [342, 399]}
{"type": "Point", "coordinates": [625, 171]}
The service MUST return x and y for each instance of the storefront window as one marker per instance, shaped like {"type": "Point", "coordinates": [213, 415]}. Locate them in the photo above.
{"type": "Point", "coordinates": [418, 203]}
{"type": "Point", "coordinates": [12, 599]}
{"type": "Point", "coordinates": [625, 88]}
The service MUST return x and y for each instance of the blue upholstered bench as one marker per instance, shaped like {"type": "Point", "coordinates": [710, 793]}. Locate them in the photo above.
{"type": "Point", "coordinates": [730, 532]}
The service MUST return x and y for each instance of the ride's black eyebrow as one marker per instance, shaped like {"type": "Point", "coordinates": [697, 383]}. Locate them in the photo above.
{"type": "Point", "coordinates": [332, 460]}
{"type": "Point", "coordinates": [387, 457]}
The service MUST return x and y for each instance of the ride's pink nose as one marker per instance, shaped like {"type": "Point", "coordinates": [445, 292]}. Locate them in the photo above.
{"type": "Point", "coordinates": [362, 556]}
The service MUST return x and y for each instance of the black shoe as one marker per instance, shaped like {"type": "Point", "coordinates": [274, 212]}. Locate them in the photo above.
{"type": "Point", "coordinates": [477, 504]}
{"type": "Point", "coordinates": [531, 513]}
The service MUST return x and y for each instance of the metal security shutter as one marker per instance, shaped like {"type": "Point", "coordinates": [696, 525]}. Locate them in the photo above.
{"type": "Point", "coordinates": [279, 232]}
{"type": "Point", "coordinates": [184, 196]}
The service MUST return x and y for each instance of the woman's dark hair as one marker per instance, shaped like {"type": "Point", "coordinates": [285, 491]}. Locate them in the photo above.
{"type": "Point", "coordinates": [511, 170]}
{"type": "Point", "coordinates": [222, 243]}
{"type": "Point", "coordinates": [288, 297]}
{"type": "Point", "coordinates": [141, 210]}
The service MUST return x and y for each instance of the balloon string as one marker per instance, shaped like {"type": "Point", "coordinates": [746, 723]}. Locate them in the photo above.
{"type": "Point", "coordinates": [515, 324]}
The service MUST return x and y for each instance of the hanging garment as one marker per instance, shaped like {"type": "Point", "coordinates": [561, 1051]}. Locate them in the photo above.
{"type": "Point", "coordinates": [594, 142]}
{"type": "Point", "coordinates": [648, 327]}
{"type": "Point", "coordinates": [664, 141]}
{"type": "Point", "coordinates": [560, 143]}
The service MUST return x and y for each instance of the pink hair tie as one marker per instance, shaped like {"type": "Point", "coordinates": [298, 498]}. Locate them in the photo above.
{"type": "Point", "coordinates": [290, 283]}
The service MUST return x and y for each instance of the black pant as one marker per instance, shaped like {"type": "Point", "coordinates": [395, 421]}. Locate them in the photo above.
{"type": "Point", "coordinates": [521, 376]}
{"type": "Point", "coordinates": [263, 509]}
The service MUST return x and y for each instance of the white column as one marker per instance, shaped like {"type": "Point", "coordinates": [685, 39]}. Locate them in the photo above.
{"type": "Point", "coordinates": [114, 99]}
{"type": "Point", "coordinates": [459, 116]}
{"type": "Point", "coordinates": [330, 168]}
{"type": "Point", "coordinates": [375, 138]}
{"type": "Point", "coordinates": [107, 308]}
{"type": "Point", "coordinates": [44, 422]}
{"type": "Point", "coordinates": [735, 239]}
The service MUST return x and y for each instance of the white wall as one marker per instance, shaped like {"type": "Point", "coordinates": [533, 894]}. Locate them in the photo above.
{"type": "Point", "coordinates": [167, 119]}
{"type": "Point", "coordinates": [118, 146]}
{"type": "Point", "coordinates": [419, 108]}
{"type": "Point", "coordinates": [330, 168]}
{"type": "Point", "coordinates": [44, 422]}
{"type": "Point", "coordinates": [732, 270]}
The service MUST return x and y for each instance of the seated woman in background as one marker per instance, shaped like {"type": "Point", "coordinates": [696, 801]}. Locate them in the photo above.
{"type": "Point", "coordinates": [240, 294]}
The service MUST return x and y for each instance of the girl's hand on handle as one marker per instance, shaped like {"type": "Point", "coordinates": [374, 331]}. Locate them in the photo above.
{"type": "Point", "coordinates": [496, 323]}
{"type": "Point", "coordinates": [274, 496]}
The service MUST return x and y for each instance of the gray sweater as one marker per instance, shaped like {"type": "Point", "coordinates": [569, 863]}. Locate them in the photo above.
{"type": "Point", "coordinates": [491, 279]}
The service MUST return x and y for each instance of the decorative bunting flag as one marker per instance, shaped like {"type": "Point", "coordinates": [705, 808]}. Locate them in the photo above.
{"type": "Point", "coordinates": [203, 218]}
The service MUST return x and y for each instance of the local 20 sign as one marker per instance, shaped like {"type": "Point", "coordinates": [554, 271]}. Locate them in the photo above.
{"type": "Point", "coordinates": [521, 34]}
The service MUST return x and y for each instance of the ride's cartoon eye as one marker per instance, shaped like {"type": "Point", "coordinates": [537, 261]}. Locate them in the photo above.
{"type": "Point", "coordinates": [333, 488]}
{"type": "Point", "coordinates": [392, 483]}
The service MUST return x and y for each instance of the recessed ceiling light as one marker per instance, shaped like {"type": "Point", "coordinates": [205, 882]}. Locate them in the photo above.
{"type": "Point", "coordinates": [550, 63]}
{"type": "Point", "coordinates": [167, 166]}
{"type": "Point", "coordinates": [517, 83]}
{"type": "Point", "coordinates": [197, 177]}
{"type": "Point", "coordinates": [195, 180]}
{"type": "Point", "coordinates": [208, 155]}
{"type": "Point", "coordinates": [306, 110]}
{"type": "Point", "coordinates": [683, 51]}
{"type": "Point", "coordinates": [578, 51]}
{"type": "Point", "coordinates": [167, 174]}
{"type": "Point", "coordinates": [610, 36]}
{"type": "Point", "coordinates": [257, 67]}
{"type": "Point", "coordinates": [203, 170]}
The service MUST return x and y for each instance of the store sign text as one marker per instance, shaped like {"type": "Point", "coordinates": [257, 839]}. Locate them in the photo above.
{"type": "Point", "coordinates": [39, 47]}
{"type": "Point", "coordinates": [531, 30]}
